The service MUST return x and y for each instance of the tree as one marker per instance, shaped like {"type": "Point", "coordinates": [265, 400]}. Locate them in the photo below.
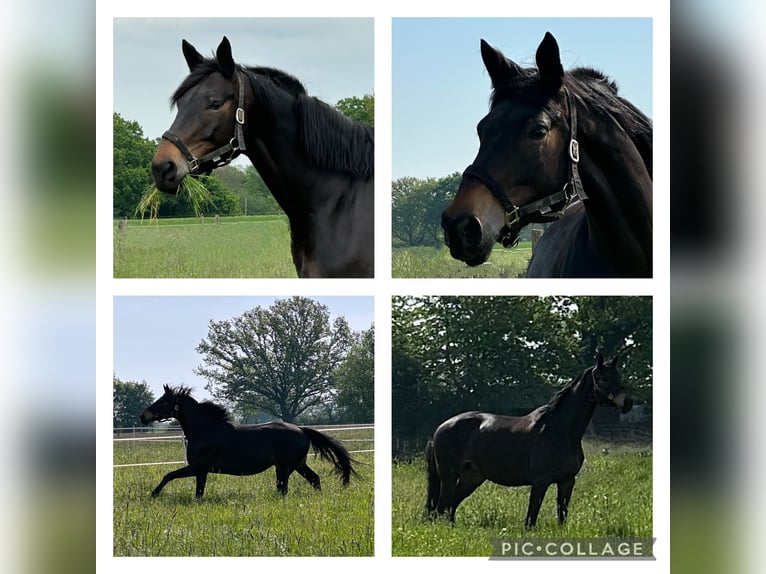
{"type": "Point", "coordinates": [416, 207]}
{"type": "Point", "coordinates": [361, 109]}
{"type": "Point", "coordinates": [132, 160]}
{"type": "Point", "coordinates": [355, 381]}
{"type": "Point", "coordinates": [278, 359]}
{"type": "Point", "coordinates": [129, 400]}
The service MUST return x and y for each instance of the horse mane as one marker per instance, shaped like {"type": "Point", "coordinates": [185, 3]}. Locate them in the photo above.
{"type": "Point", "coordinates": [210, 409]}
{"type": "Point", "coordinates": [329, 139]}
{"type": "Point", "coordinates": [552, 405]}
{"type": "Point", "coordinates": [592, 89]}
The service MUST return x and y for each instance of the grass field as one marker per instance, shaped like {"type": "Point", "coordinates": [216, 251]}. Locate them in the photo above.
{"type": "Point", "coordinates": [612, 498]}
{"type": "Point", "coordinates": [246, 246]}
{"type": "Point", "coordinates": [414, 262]}
{"type": "Point", "coordinates": [240, 516]}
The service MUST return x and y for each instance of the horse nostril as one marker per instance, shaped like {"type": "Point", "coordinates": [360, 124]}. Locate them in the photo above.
{"type": "Point", "coordinates": [470, 228]}
{"type": "Point", "coordinates": [164, 171]}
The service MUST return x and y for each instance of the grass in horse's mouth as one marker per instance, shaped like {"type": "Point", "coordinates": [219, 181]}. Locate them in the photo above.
{"type": "Point", "coordinates": [199, 197]}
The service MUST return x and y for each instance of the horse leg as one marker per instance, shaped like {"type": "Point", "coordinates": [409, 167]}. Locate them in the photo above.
{"type": "Point", "coordinates": [562, 498]}
{"type": "Point", "coordinates": [180, 473]}
{"type": "Point", "coordinates": [447, 496]}
{"type": "Point", "coordinates": [283, 474]}
{"type": "Point", "coordinates": [467, 483]}
{"type": "Point", "coordinates": [309, 475]}
{"type": "Point", "coordinates": [536, 496]}
{"type": "Point", "coordinates": [201, 480]}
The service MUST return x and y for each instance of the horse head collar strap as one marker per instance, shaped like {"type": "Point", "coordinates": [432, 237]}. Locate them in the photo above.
{"type": "Point", "coordinates": [223, 155]}
{"type": "Point", "coordinates": [541, 210]}
{"type": "Point", "coordinates": [597, 389]}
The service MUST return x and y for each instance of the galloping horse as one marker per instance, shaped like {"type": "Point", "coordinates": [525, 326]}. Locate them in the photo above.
{"type": "Point", "coordinates": [539, 449]}
{"type": "Point", "coordinates": [317, 164]}
{"type": "Point", "coordinates": [559, 147]}
{"type": "Point", "coordinates": [215, 445]}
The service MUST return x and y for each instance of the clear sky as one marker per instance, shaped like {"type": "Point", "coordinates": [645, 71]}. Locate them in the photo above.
{"type": "Point", "coordinates": [332, 57]}
{"type": "Point", "coordinates": [155, 337]}
{"type": "Point", "coordinates": [441, 89]}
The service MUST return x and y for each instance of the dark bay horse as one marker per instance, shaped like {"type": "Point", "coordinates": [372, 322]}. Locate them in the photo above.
{"type": "Point", "coordinates": [559, 147]}
{"type": "Point", "coordinates": [539, 449]}
{"type": "Point", "coordinates": [318, 165]}
{"type": "Point", "coordinates": [215, 445]}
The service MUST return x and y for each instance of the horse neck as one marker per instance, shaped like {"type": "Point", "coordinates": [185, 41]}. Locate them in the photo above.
{"type": "Point", "coordinates": [576, 409]}
{"type": "Point", "coordinates": [619, 186]}
{"type": "Point", "coordinates": [190, 417]}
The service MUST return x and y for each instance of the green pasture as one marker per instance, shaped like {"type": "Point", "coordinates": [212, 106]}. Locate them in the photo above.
{"type": "Point", "coordinates": [240, 516]}
{"type": "Point", "coordinates": [612, 498]}
{"type": "Point", "coordinates": [244, 246]}
{"type": "Point", "coordinates": [430, 262]}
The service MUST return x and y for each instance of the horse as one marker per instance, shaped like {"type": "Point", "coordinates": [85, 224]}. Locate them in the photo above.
{"type": "Point", "coordinates": [317, 164]}
{"type": "Point", "coordinates": [539, 449]}
{"type": "Point", "coordinates": [562, 148]}
{"type": "Point", "coordinates": [214, 444]}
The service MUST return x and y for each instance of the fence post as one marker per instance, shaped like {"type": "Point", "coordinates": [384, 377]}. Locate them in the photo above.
{"type": "Point", "coordinates": [216, 219]}
{"type": "Point", "coordinates": [536, 235]}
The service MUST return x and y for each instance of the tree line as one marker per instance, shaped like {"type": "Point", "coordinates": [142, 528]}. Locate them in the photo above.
{"type": "Point", "coordinates": [507, 355]}
{"type": "Point", "coordinates": [233, 190]}
{"type": "Point", "coordinates": [416, 208]}
{"type": "Point", "coordinates": [286, 362]}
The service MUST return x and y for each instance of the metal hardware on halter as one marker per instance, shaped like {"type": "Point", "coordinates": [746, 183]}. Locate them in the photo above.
{"type": "Point", "coordinates": [574, 151]}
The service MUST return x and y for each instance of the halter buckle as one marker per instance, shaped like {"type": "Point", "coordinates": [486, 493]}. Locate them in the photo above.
{"type": "Point", "coordinates": [193, 165]}
{"type": "Point", "coordinates": [511, 217]}
{"type": "Point", "coordinates": [239, 116]}
{"type": "Point", "coordinates": [574, 151]}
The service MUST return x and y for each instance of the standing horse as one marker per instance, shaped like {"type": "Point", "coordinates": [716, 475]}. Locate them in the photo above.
{"type": "Point", "coordinates": [562, 147]}
{"type": "Point", "coordinates": [215, 445]}
{"type": "Point", "coordinates": [539, 449]}
{"type": "Point", "coordinates": [317, 164]}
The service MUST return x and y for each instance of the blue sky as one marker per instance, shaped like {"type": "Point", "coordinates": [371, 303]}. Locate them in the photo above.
{"type": "Point", "coordinates": [149, 64]}
{"type": "Point", "coordinates": [440, 89]}
{"type": "Point", "coordinates": [155, 337]}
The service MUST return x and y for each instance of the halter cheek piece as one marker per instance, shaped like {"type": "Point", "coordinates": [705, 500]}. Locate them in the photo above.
{"type": "Point", "coordinates": [223, 155]}
{"type": "Point", "coordinates": [539, 211]}
{"type": "Point", "coordinates": [597, 389]}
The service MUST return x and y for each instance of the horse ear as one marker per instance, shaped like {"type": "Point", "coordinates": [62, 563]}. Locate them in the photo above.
{"type": "Point", "coordinates": [225, 59]}
{"type": "Point", "coordinates": [501, 70]}
{"type": "Point", "coordinates": [600, 361]}
{"type": "Point", "coordinates": [192, 56]}
{"type": "Point", "coordinates": [549, 62]}
{"type": "Point", "coordinates": [167, 388]}
{"type": "Point", "coordinates": [615, 360]}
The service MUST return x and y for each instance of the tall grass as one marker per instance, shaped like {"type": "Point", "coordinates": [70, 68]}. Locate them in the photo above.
{"type": "Point", "coordinates": [612, 498]}
{"type": "Point", "coordinates": [252, 246]}
{"type": "Point", "coordinates": [238, 516]}
{"type": "Point", "coordinates": [430, 262]}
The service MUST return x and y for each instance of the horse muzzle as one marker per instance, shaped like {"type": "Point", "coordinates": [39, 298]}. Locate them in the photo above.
{"type": "Point", "coordinates": [148, 417]}
{"type": "Point", "coordinates": [622, 401]}
{"type": "Point", "coordinates": [466, 239]}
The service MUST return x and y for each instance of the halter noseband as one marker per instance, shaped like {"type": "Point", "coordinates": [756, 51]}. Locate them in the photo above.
{"type": "Point", "coordinates": [538, 211]}
{"type": "Point", "coordinates": [224, 154]}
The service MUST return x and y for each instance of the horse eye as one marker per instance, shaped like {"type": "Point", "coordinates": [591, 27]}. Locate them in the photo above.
{"type": "Point", "coordinates": [216, 104]}
{"type": "Point", "coordinates": [538, 132]}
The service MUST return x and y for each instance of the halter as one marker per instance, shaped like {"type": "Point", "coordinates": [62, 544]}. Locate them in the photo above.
{"type": "Point", "coordinates": [539, 211]}
{"type": "Point", "coordinates": [597, 388]}
{"type": "Point", "coordinates": [223, 155]}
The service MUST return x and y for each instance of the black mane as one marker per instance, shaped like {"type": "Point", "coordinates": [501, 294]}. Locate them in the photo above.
{"type": "Point", "coordinates": [211, 410]}
{"type": "Point", "coordinates": [551, 406]}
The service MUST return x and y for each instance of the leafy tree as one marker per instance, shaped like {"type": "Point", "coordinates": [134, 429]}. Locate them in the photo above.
{"type": "Point", "coordinates": [355, 381]}
{"type": "Point", "coordinates": [416, 207]}
{"type": "Point", "coordinates": [130, 399]}
{"type": "Point", "coordinates": [132, 159]}
{"type": "Point", "coordinates": [358, 109]}
{"type": "Point", "coordinates": [278, 359]}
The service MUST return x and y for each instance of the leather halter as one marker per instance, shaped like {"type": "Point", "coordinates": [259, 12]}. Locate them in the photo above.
{"type": "Point", "coordinates": [224, 154]}
{"type": "Point", "coordinates": [541, 210]}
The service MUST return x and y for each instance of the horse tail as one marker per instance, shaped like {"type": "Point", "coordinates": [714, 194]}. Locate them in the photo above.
{"type": "Point", "coordinates": [434, 484]}
{"type": "Point", "coordinates": [331, 450]}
